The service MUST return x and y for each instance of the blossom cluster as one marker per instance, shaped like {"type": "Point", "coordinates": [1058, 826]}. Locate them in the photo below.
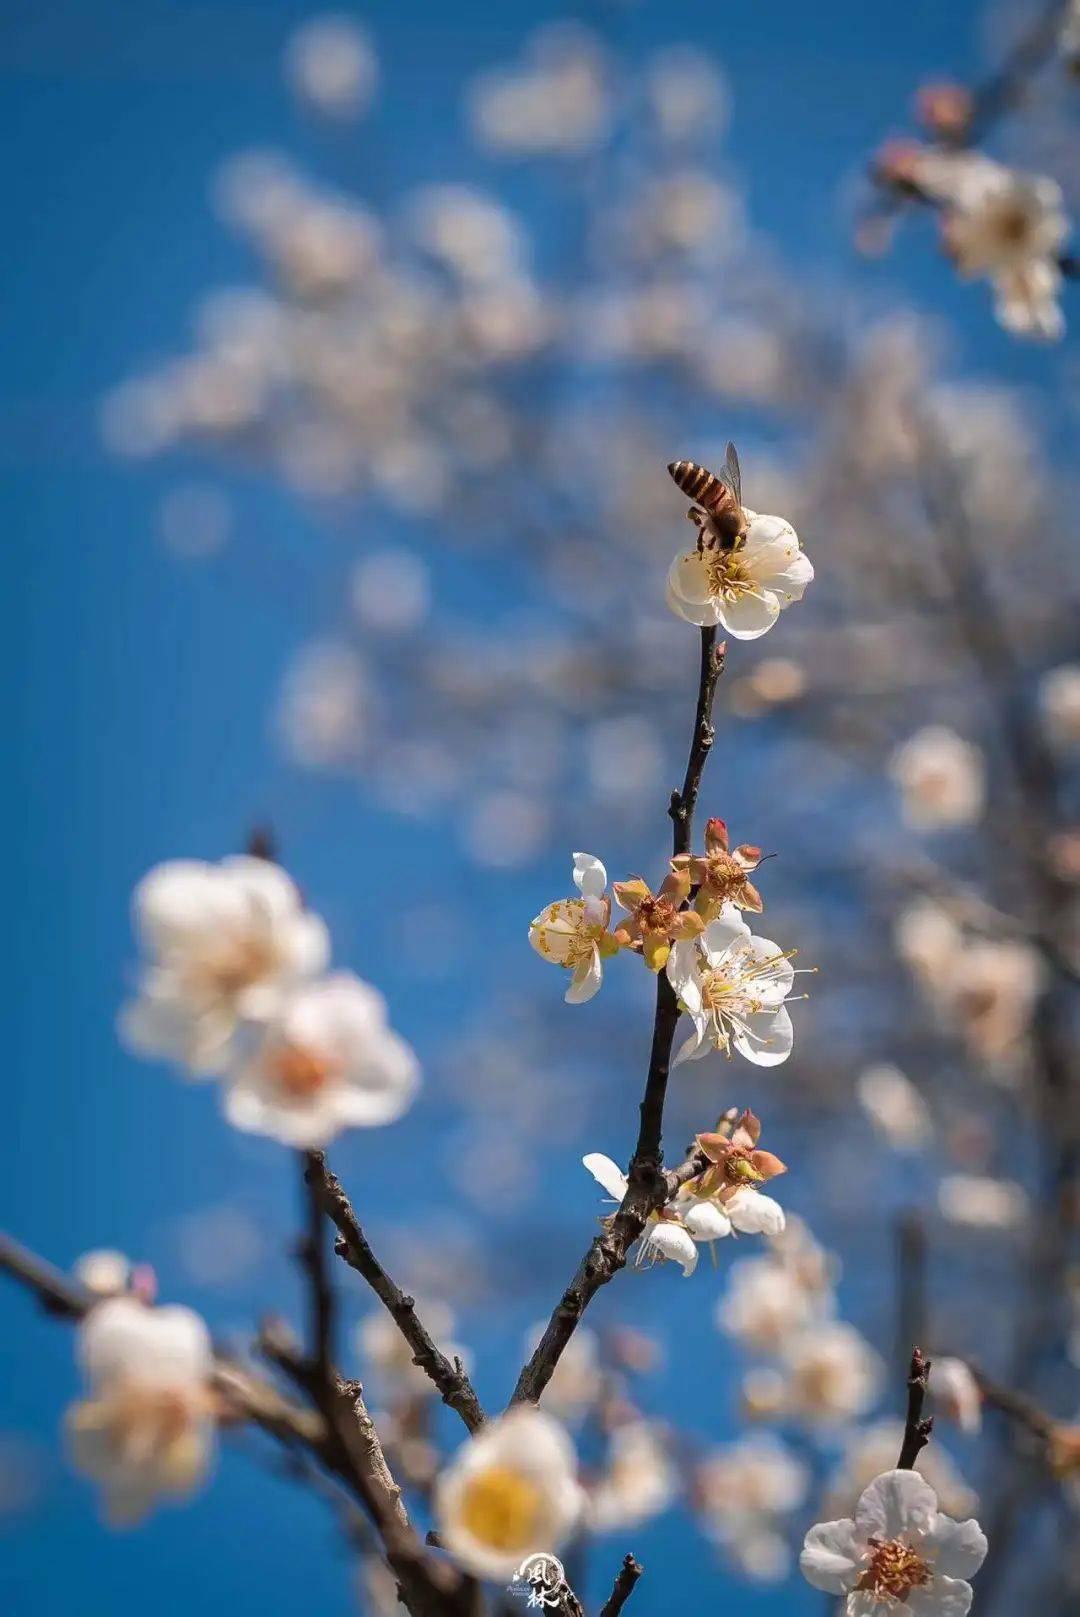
{"type": "Point", "coordinates": [234, 984]}
{"type": "Point", "coordinates": [731, 983]}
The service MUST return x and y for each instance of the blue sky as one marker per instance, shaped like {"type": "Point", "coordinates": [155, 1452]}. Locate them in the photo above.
{"type": "Point", "coordinates": [138, 685]}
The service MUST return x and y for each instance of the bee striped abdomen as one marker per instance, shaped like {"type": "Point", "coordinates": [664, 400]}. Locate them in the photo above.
{"type": "Point", "coordinates": [696, 482]}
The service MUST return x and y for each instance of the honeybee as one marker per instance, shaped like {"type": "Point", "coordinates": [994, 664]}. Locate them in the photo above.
{"type": "Point", "coordinates": [718, 509]}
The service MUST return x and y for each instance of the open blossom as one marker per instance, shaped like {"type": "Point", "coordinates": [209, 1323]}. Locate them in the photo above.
{"type": "Point", "coordinates": [941, 778]}
{"type": "Point", "coordinates": [639, 1478]}
{"type": "Point", "coordinates": [146, 1430]}
{"type": "Point", "coordinates": [897, 1551]}
{"type": "Point", "coordinates": [722, 874]}
{"type": "Point", "coordinates": [1010, 228]}
{"type": "Point", "coordinates": [833, 1374]}
{"type": "Point", "coordinates": [224, 944]}
{"type": "Point", "coordinates": [733, 986]}
{"type": "Point", "coordinates": [331, 1062]}
{"type": "Point", "coordinates": [737, 1168]}
{"type": "Point", "coordinates": [671, 1232]}
{"type": "Point", "coordinates": [573, 932]}
{"type": "Point", "coordinates": [742, 1494]}
{"type": "Point", "coordinates": [655, 920]}
{"type": "Point", "coordinates": [1005, 219]}
{"type": "Point", "coordinates": [763, 1304]}
{"type": "Point", "coordinates": [509, 1491]}
{"type": "Point", "coordinates": [743, 589]}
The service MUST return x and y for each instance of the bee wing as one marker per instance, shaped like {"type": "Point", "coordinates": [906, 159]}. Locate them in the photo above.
{"type": "Point", "coordinates": [732, 474]}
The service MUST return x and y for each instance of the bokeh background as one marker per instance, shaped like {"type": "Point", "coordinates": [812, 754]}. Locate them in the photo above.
{"type": "Point", "coordinates": [335, 502]}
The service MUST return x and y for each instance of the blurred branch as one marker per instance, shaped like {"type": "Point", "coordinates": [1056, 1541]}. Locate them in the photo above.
{"type": "Point", "coordinates": [916, 1430]}
{"type": "Point", "coordinates": [647, 1187]}
{"type": "Point", "coordinates": [352, 1245]}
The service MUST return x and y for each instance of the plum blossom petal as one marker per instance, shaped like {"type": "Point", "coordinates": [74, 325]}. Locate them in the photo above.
{"type": "Point", "coordinates": [753, 1213]}
{"type": "Point", "coordinates": [830, 1556]}
{"type": "Point", "coordinates": [896, 1504]}
{"type": "Point", "coordinates": [958, 1549]}
{"type": "Point", "coordinates": [607, 1174]}
{"type": "Point", "coordinates": [669, 1240]}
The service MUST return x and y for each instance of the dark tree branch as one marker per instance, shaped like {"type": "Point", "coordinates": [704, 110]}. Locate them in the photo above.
{"type": "Point", "coordinates": [352, 1245]}
{"type": "Point", "coordinates": [647, 1185]}
{"type": "Point", "coordinates": [313, 1261]}
{"type": "Point", "coordinates": [627, 1576]}
{"type": "Point", "coordinates": [916, 1429]}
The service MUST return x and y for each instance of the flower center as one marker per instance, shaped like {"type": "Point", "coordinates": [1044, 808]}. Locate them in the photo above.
{"type": "Point", "coordinates": [727, 573]}
{"type": "Point", "coordinates": [657, 914]}
{"type": "Point", "coordinates": [233, 966]}
{"type": "Point", "coordinates": [299, 1072]}
{"type": "Point", "coordinates": [894, 1570]}
{"type": "Point", "coordinates": [500, 1508]}
{"type": "Point", "coordinates": [141, 1421]}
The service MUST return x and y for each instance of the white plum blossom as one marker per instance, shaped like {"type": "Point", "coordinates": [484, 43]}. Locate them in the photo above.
{"type": "Point", "coordinates": [956, 1392]}
{"type": "Point", "coordinates": [763, 1304]}
{"type": "Point", "coordinates": [1059, 705]}
{"type": "Point", "coordinates": [897, 1551]}
{"type": "Point", "coordinates": [941, 779]}
{"type": "Point", "coordinates": [224, 945]}
{"type": "Point", "coordinates": [1010, 228]}
{"type": "Point", "coordinates": [331, 65]}
{"type": "Point", "coordinates": [744, 589]}
{"type": "Point", "coordinates": [146, 1430]}
{"type": "Point", "coordinates": [639, 1478]}
{"type": "Point", "coordinates": [894, 1106]}
{"type": "Point", "coordinates": [833, 1374]}
{"type": "Point", "coordinates": [573, 933]}
{"type": "Point", "coordinates": [743, 1491]}
{"type": "Point", "coordinates": [982, 1202]}
{"type": "Point", "coordinates": [668, 1234]}
{"type": "Point", "coordinates": [331, 1062]}
{"type": "Point", "coordinates": [509, 1491]}
{"type": "Point", "coordinates": [733, 986]}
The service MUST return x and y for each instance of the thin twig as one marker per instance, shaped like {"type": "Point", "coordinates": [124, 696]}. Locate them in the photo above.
{"type": "Point", "coordinates": [353, 1246]}
{"type": "Point", "coordinates": [916, 1429]}
{"type": "Point", "coordinates": [647, 1186]}
{"type": "Point", "coordinates": [627, 1576]}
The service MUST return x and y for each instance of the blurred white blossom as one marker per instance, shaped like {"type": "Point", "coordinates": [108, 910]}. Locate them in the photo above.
{"type": "Point", "coordinates": [941, 778]}
{"type": "Point", "coordinates": [894, 1106]}
{"type": "Point", "coordinates": [1059, 704]}
{"type": "Point", "coordinates": [145, 1432]}
{"type": "Point", "coordinates": [223, 944]}
{"type": "Point", "coordinates": [330, 1062]}
{"type": "Point", "coordinates": [331, 65]}
{"type": "Point", "coordinates": [638, 1480]}
{"type": "Point", "coordinates": [511, 1489]}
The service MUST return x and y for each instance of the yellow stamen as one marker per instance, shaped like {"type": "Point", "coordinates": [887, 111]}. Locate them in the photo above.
{"type": "Point", "coordinates": [501, 1508]}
